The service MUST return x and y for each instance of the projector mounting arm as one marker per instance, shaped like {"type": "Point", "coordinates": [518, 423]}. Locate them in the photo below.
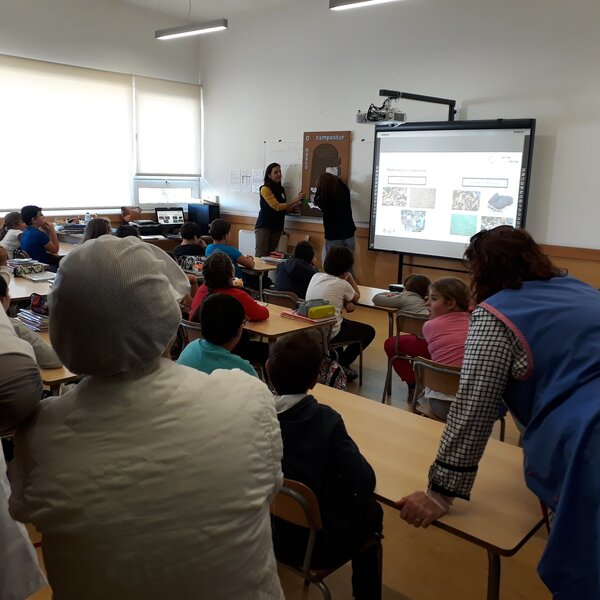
{"type": "Point", "coordinates": [385, 112]}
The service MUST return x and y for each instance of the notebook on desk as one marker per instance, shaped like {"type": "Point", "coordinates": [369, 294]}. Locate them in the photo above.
{"type": "Point", "coordinates": [45, 276]}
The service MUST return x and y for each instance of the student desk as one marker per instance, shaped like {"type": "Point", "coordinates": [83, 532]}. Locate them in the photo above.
{"type": "Point", "coordinates": [54, 378]}
{"type": "Point", "coordinates": [260, 268]}
{"type": "Point", "coordinates": [21, 288]}
{"type": "Point", "coordinates": [276, 325]}
{"type": "Point", "coordinates": [502, 514]}
{"type": "Point", "coordinates": [366, 299]}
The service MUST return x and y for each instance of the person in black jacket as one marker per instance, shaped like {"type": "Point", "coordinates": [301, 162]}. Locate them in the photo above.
{"type": "Point", "coordinates": [333, 198]}
{"type": "Point", "coordinates": [295, 274]}
{"type": "Point", "coordinates": [318, 451]}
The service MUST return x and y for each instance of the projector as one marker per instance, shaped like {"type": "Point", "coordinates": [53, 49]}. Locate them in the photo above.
{"type": "Point", "coordinates": [381, 115]}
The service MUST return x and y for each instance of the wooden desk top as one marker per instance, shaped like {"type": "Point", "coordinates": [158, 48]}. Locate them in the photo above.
{"type": "Point", "coordinates": [21, 288]}
{"type": "Point", "coordinates": [276, 325]}
{"type": "Point", "coordinates": [502, 514]}
{"type": "Point", "coordinates": [366, 298]}
{"type": "Point", "coordinates": [54, 377]}
{"type": "Point", "coordinates": [260, 266]}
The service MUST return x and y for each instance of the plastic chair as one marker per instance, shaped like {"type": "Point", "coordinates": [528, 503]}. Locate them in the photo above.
{"type": "Point", "coordinates": [405, 323]}
{"type": "Point", "coordinates": [296, 503]}
{"type": "Point", "coordinates": [190, 331]}
{"type": "Point", "coordinates": [444, 379]}
{"type": "Point", "coordinates": [287, 299]}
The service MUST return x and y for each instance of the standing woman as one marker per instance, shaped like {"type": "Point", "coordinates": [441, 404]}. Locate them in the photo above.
{"type": "Point", "coordinates": [273, 207]}
{"type": "Point", "coordinates": [333, 198]}
{"type": "Point", "coordinates": [534, 341]}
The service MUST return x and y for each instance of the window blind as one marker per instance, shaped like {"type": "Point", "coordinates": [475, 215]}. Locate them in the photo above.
{"type": "Point", "coordinates": [66, 137]}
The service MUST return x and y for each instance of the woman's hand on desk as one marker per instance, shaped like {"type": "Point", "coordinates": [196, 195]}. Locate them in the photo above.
{"type": "Point", "coordinates": [419, 509]}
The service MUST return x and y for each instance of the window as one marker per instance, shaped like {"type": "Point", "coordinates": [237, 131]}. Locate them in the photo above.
{"type": "Point", "coordinates": [74, 138]}
{"type": "Point", "coordinates": [168, 124]}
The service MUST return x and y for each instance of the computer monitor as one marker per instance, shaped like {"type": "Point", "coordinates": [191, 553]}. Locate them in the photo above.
{"type": "Point", "coordinates": [172, 217]}
{"type": "Point", "coordinates": [204, 215]}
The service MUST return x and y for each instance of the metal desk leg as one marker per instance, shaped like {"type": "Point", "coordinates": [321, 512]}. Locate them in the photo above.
{"type": "Point", "coordinates": [388, 384]}
{"type": "Point", "coordinates": [493, 591]}
{"type": "Point", "coordinates": [260, 286]}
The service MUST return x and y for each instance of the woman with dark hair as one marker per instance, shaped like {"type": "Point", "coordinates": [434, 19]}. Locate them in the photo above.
{"type": "Point", "coordinates": [525, 347]}
{"type": "Point", "coordinates": [95, 228]}
{"type": "Point", "coordinates": [333, 198]}
{"type": "Point", "coordinates": [273, 207]}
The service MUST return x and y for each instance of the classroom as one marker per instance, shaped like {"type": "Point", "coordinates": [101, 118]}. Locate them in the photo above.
{"type": "Point", "coordinates": [286, 67]}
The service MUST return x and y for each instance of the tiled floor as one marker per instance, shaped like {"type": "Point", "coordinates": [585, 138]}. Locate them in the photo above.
{"type": "Point", "coordinates": [421, 564]}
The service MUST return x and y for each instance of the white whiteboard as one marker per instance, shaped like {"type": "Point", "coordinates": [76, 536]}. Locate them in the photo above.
{"type": "Point", "coordinates": [289, 156]}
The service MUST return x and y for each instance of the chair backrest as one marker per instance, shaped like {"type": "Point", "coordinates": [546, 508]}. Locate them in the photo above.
{"type": "Point", "coordinates": [410, 323]}
{"type": "Point", "coordinates": [191, 331]}
{"type": "Point", "coordinates": [297, 504]}
{"type": "Point", "coordinates": [436, 376]}
{"type": "Point", "coordinates": [287, 299]}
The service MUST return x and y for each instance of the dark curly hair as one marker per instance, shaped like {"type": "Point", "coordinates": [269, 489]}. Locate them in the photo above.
{"type": "Point", "coordinates": [503, 258]}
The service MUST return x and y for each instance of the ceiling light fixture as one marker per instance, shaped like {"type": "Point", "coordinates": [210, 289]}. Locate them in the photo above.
{"type": "Point", "coordinates": [346, 4]}
{"type": "Point", "coordinates": [187, 30]}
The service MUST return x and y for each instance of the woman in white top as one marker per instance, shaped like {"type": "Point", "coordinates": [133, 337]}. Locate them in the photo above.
{"type": "Point", "coordinates": [10, 232]}
{"type": "Point", "coordinates": [147, 480]}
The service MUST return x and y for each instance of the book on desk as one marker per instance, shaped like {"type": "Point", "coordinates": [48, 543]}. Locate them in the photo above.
{"type": "Point", "coordinates": [293, 314]}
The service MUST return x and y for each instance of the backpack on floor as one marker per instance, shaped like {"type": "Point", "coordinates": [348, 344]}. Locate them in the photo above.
{"type": "Point", "coordinates": [332, 374]}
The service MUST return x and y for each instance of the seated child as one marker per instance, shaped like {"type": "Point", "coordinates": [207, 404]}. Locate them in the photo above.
{"type": "Point", "coordinates": [337, 285]}
{"type": "Point", "coordinates": [218, 279]}
{"type": "Point", "coordinates": [44, 354]}
{"type": "Point", "coordinates": [10, 233]}
{"type": "Point", "coordinates": [220, 231]}
{"type": "Point", "coordinates": [411, 300]}
{"type": "Point", "coordinates": [295, 273]}
{"type": "Point", "coordinates": [222, 321]}
{"type": "Point", "coordinates": [39, 237]}
{"type": "Point", "coordinates": [318, 452]}
{"type": "Point", "coordinates": [191, 241]}
{"type": "Point", "coordinates": [95, 228]}
{"type": "Point", "coordinates": [444, 334]}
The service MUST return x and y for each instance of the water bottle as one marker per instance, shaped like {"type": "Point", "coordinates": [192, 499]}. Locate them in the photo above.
{"type": "Point", "coordinates": [87, 217]}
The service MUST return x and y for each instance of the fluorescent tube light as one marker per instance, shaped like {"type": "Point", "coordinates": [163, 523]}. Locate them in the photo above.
{"type": "Point", "coordinates": [187, 30]}
{"type": "Point", "coordinates": [346, 4]}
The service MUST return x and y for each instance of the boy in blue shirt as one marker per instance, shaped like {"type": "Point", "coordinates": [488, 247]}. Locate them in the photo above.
{"type": "Point", "coordinates": [222, 321]}
{"type": "Point", "coordinates": [40, 237]}
{"type": "Point", "coordinates": [220, 231]}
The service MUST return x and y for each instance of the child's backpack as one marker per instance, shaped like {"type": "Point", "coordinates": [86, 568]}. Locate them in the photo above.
{"type": "Point", "coordinates": [332, 374]}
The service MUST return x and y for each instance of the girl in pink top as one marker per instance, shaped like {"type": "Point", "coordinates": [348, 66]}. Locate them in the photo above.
{"type": "Point", "coordinates": [444, 334]}
{"type": "Point", "coordinates": [446, 331]}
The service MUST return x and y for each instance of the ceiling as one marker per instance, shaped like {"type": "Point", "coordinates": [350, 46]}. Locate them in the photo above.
{"type": "Point", "coordinates": [203, 10]}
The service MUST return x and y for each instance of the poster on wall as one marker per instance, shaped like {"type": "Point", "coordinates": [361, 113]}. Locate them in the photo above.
{"type": "Point", "coordinates": [323, 152]}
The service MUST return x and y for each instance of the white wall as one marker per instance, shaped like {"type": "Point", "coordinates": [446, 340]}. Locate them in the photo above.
{"type": "Point", "coordinates": [275, 75]}
{"type": "Point", "coordinates": [101, 34]}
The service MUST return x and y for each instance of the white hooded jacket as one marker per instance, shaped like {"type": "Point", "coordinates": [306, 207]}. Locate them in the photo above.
{"type": "Point", "coordinates": [154, 480]}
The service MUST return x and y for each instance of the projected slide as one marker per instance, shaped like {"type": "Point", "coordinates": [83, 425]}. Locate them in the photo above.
{"type": "Point", "coordinates": [434, 189]}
